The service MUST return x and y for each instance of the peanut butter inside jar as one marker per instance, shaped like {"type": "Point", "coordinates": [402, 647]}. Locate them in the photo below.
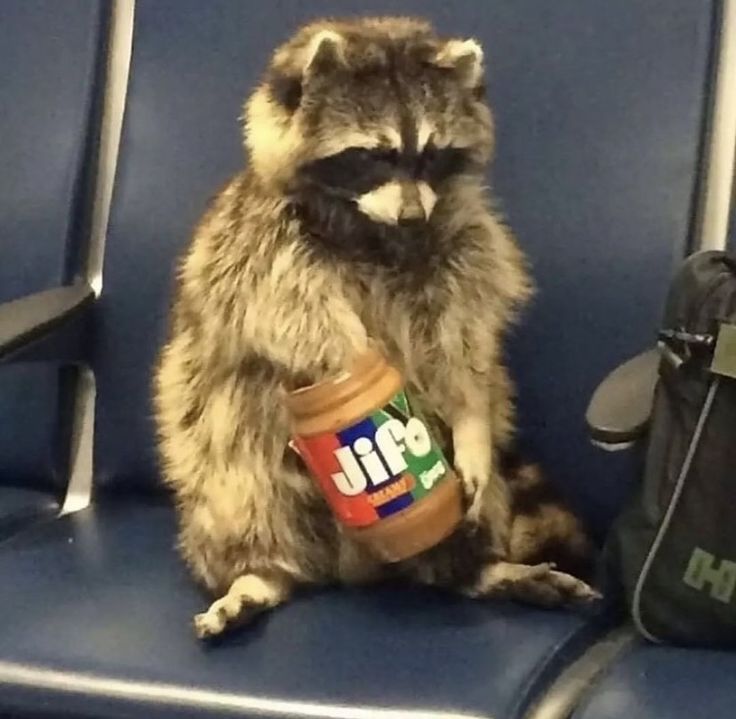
{"type": "Point", "coordinates": [373, 458]}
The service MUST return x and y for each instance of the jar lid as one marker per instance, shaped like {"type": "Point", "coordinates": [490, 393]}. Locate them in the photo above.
{"type": "Point", "coordinates": [323, 396]}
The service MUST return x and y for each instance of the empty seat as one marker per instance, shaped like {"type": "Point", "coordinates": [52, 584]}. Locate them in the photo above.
{"type": "Point", "coordinates": [50, 53]}
{"type": "Point", "coordinates": [650, 681]}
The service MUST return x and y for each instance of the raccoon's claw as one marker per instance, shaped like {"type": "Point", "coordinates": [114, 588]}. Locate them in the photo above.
{"type": "Point", "coordinates": [208, 625]}
{"type": "Point", "coordinates": [248, 596]}
{"type": "Point", "coordinates": [222, 615]}
{"type": "Point", "coordinates": [472, 499]}
{"type": "Point", "coordinates": [571, 590]}
{"type": "Point", "coordinates": [473, 483]}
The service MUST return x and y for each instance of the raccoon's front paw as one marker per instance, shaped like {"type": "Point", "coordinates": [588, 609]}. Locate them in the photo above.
{"type": "Point", "coordinates": [474, 474]}
{"type": "Point", "coordinates": [471, 438]}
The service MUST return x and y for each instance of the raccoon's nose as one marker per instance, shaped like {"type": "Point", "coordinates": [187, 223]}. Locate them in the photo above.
{"type": "Point", "coordinates": [411, 205]}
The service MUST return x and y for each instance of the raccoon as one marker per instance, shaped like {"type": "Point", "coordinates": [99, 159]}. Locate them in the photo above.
{"type": "Point", "coordinates": [362, 217]}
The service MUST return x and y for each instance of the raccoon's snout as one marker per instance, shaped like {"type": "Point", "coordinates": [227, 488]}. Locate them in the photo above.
{"type": "Point", "coordinates": [411, 209]}
{"type": "Point", "coordinates": [399, 202]}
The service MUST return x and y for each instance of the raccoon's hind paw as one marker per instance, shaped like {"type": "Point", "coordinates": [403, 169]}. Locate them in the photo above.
{"type": "Point", "coordinates": [538, 584]}
{"type": "Point", "coordinates": [247, 597]}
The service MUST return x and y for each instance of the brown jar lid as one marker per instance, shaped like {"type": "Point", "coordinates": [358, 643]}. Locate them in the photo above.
{"type": "Point", "coordinates": [340, 401]}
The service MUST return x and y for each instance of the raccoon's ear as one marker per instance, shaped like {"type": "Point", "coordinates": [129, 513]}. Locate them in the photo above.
{"type": "Point", "coordinates": [324, 52]}
{"type": "Point", "coordinates": [465, 57]}
{"type": "Point", "coordinates": [286, 90]}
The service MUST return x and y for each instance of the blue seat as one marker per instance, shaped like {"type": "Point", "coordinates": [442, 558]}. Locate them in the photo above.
{"type": "Point", "coordinates": [23, 505]}
{"type": "Point", "coordinates": [51, 55]}
{"type": "Point", "coordinates": [649, 681]}
{"type": "Point", "coordinates": [121, 606]}
{"type": "Point", "coordinates": [598, 149]}
{"type": "Point", "coordinates": [27, 489]}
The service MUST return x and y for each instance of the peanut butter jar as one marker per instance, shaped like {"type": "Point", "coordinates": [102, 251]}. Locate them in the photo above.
{"type": "Point", "coordinates": [373, 458]}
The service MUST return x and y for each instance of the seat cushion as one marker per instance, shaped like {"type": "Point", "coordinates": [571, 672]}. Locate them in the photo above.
{"type": "Point", "coordinates": [20, 506]}
{"type": "Point", "coordinates": [29, 409]}
{"type": "Point", "coordinates": [651, 682]}
{"type": "Point", "coordinates": [96, 612]}
{"type": "Point", "coordinates": [30, 461]}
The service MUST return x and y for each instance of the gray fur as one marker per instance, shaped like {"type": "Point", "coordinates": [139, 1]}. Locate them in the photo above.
{"type": "Point", "coordinates": [259, 309]}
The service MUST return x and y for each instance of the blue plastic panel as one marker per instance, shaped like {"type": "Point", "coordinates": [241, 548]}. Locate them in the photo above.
{"type": "Point", "coordinates": [50, 54]}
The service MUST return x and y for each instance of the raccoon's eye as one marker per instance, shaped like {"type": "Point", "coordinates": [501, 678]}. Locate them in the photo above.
{"type": "Point", "coordinates": [359, 154]}
{"type": "Point", "coordinates": [355, 169]}
{"type": "Point", "coordinates": [389, 156]}
{"type": "Point", "coordinates": [380, 156]}
{"type": "Point", "coordinates": [438, 164]}
{"type": "Point", "coordinates": [366, 156]}
{"type": "Point", "coordinates": [426, 159]}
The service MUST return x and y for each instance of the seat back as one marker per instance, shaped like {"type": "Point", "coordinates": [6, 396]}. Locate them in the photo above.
{"type": "Point", "coordinates": [51, 54]}
{"type": "Point", "coordinates": [599, 186]}
{"type": "Point", "coordinates": [599, 113]}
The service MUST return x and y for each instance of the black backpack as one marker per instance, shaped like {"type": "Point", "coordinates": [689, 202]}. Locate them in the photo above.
{"type": "Point", "coordinates": [674, 548]}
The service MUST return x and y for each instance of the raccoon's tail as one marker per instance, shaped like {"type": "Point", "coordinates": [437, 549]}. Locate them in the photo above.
{"type": "Point", "coordinates": [543, 528]}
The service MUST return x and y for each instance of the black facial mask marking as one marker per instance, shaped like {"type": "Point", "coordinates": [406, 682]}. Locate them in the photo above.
{"type": "Point", "coordinates": [435, 165]}
{"type": "Point", "coordinates": [323, 200]}
{"type": "Point", "coordinates": [356, 171]}
{"type": "Point", "coordinates": [336, 228]}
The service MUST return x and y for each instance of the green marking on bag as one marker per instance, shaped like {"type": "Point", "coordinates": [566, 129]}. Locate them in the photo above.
{"type": "Point", "coordinates": [704, 569]}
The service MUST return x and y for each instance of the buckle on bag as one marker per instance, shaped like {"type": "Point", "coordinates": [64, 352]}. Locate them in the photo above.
{"type": "Point", "coordinates": [678, 346]}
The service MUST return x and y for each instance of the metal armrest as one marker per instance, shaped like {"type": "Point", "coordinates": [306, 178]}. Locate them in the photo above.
{"type": "Point", "coordinates": [619, 411]}
{"type": "Point", "coordinates": [33, 317]}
